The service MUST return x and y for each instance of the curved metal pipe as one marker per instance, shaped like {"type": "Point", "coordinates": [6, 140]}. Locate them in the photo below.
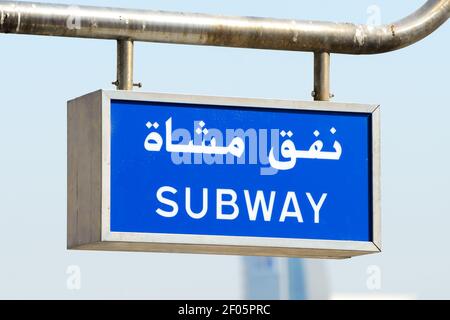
{"type": "Point", "coordinates": [201, 29]}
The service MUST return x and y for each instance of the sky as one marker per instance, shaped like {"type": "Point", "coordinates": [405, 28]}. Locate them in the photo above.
{"type": "Point", "coordinates": [39, 75]}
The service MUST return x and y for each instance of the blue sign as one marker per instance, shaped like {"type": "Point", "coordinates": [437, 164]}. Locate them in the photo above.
{"type": "Point", "coordinates": [196, 169]}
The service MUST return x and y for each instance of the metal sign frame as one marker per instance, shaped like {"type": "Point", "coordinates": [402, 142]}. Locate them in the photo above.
{"type": "Point", "coordinates": [89, 150]}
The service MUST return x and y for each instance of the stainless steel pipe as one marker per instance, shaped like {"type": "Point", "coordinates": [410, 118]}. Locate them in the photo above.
{"type": "Point", "coordinates": [202, 29]}
{"type": "Point", "coordinates": [125, 64]}
{"type": "Point", "coordinates": [321, 76]}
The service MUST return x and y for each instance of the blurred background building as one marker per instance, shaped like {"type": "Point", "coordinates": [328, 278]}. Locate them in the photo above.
{"type": "Point", "coordinates": [285, 279]}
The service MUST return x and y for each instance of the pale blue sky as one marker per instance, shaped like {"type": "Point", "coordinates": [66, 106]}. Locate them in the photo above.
{"type": "Point", "coordinates": [39, 74]}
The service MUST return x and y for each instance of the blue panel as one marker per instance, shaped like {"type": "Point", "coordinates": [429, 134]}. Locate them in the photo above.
{"type": "Point", "coordinates": [137, 174]}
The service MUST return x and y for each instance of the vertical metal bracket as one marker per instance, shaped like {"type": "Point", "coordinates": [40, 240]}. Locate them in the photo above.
{"type": "Point", "coordinates": [125, 61]}
{"type": "Point", "coordinates": [322, 77]}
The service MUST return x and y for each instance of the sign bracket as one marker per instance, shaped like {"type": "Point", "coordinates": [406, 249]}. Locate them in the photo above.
{"type": "Point", "coordinates": [322, 77]}
{"type": "Point", "coordinates": [125, 65]}
{"type": "Point", "coordinates": [128, 25]}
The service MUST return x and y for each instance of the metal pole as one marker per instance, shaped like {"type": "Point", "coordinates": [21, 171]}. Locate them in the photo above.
{"type": "Point", "coordinates": [322, 76]}
{"type": "Point", "coordinates": [125, 57]}
{"type": "Point", "coordinates": [213, 30]}
{"type": "Point", "coordinates": [127, 25]}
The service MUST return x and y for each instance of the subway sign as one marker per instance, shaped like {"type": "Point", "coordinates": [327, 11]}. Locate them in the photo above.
{"type": "Point", "coordinates": [175, 173]}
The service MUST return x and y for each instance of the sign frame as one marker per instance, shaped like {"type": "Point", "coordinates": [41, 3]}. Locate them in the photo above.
{"type": "Point", "coordinates": [88, 215]}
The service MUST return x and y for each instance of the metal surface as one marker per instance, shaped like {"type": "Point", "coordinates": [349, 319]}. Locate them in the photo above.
{"type": "Point", "coordinates": [125, 57]}
{"type": "Point", "coordinates": [218, 244]}
{"type": "Point", "coordinates": [321, 76]}
{"type": "Point", "coordinates": [202, 29]}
